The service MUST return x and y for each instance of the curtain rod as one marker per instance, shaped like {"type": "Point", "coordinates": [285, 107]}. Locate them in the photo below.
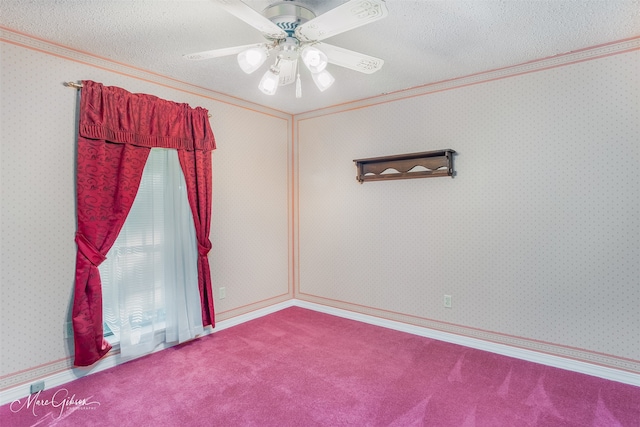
{"type": "Point", "coordinates": [79, 86]}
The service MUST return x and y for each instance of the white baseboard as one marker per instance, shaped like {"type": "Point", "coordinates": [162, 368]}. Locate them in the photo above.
{"type": "Point", "coordinates": [505, 350]}
{"type": "Point", "coordinates": [54, 380]}
{"type": "Point", "coordinates": [66, 376]}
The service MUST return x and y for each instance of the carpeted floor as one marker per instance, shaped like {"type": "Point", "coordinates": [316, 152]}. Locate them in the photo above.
{"type": "Point", "coordinates": [298, 367]}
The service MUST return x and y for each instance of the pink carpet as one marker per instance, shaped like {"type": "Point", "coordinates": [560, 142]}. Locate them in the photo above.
{"type": "Point", "coordinates": [298, 367]}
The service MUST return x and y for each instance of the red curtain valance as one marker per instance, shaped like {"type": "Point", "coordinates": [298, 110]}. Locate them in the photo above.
{"type": "Point", "coordinates": [116, 115]}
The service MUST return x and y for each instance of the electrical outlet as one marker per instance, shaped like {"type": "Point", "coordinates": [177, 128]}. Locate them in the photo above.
{"type": "Point", "coordinates": [447, 301]}
{"type": "Point", "coordinates": [68, 330]}
{"type": "Point", "coordinates": [222, 293]}
{"type": "Point", "coordinates": [36, 387]}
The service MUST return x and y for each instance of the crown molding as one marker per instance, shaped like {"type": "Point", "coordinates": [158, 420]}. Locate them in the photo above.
{"type": "Point", "coordinates": [27, 41]}
{"type": "Point", "coordinates": [560, 60]}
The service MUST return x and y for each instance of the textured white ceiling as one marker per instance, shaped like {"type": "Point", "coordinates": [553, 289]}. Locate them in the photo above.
{"type": "Point", "coordinates": [421, 41]}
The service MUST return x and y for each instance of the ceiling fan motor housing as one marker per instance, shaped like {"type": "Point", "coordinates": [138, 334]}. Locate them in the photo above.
{"type": "Point", "coordinates": [289, 48]}
{"type": "Point", "coordinates": [288, 15]}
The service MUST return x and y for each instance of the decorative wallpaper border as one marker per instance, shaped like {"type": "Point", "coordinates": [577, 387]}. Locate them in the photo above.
{"type": "Point", "coordinates": [29, 375]}
{"type": "Point", "coordinates": [563, 59]}
{"type": "Point", "coordinates": [35, 373]}
{"type": "Point", "coordinates": [13, 37]}
{"type": "Point", "coordinates": [61, 372]}
{"type": "Point", "coordinates": [560, 60]}
{"type": "Point", "coordinates": [242, 310]}
{"type": "Point", "coordinates": [586, 356]}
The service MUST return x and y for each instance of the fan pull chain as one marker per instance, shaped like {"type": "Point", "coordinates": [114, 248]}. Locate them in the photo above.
{"type": "Point", "coordinates": [298, 87]}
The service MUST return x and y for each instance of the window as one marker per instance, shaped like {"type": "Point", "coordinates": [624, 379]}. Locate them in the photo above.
{"type": "Point", "coordinates": [150, 277]}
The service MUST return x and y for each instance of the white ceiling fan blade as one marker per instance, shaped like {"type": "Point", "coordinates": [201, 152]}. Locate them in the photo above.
{"type": "Point", "coordinates": [347, 16]}
{"type": "Point", "coordinates": [253, 18]}
{"type": "Point", "coordinates": [216, 53]}
{"type": "Point", "coordinates": [350, 59]}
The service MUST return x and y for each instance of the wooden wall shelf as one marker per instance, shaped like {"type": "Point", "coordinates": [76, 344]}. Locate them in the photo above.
{"type": "Point", "coordinates": [427, 164]}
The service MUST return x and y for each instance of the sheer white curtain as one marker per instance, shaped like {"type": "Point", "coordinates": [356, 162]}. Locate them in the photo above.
{"type": "Point", "coordinates": [150, 278]}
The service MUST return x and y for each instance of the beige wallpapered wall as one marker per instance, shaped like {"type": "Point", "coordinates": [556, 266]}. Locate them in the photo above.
{"type": "Point", "coordinates": [536, 238]}
{"type": "Point", "coordinates": [249, 227]}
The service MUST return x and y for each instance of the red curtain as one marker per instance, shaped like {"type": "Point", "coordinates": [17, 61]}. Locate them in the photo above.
{"type": "Point", "coordinates": [117, 130]}
{"type": "Point", "coordinates": [196, 167]}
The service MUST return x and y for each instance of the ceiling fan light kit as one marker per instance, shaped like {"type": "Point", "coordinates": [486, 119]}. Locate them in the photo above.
{"type": "Point", "coordinates": [271, 79]}
{"type": "Point", "coordinates": [315, 60]}
{"type": "Point", "coordinates": [252, 59]}
{"type": "Point", "coordinates": [295, 32]}
{"type": "Point", "coordinates": [323, 80]}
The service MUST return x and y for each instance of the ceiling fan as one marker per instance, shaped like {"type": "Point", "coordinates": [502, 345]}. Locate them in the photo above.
{"type": "Point", "coordinates": [294, 32]}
